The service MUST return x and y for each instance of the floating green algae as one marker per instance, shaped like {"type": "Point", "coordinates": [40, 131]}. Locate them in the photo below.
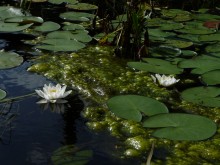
{"type": "Point", "coordinates": [98, 75]}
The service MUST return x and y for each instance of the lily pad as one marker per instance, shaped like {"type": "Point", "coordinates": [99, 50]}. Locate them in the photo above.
{"type": "Point", "coordinates": [61, 45]}
{"type": "Point", "coordinates": [72, 27]}
{"type": "Point", "coordinates": [82, 37]}
{"type": "Point", "coordinates": [9, 12]}
{"type": "Point", "coordinates": [205, 96]}
{"type": "Point", "coordinates": [213, 48]}
{"type": "Point", "coordinates": [2, 94]}
{"type": "Point", "coordinates": [160, 33]}
{"type": "Point", "coordinates": [70, 155]}
{"type": "Point", "coordinates": [77, 16]}
{"type": "Point", "coordinates": [82, 6]}
{"type": "Point", "coordinates": [155, 65]}
{"type": "Point", "coordinates": [9, 60]}
{"type": "Point", "coordinates": [47, 27]}
{"type": "Point", "coordinates": [211, 78]}
{"type": "Point", "coordinates": [178, 43]}
{"type": "Point", "coordinates": [24, 19]}
{"type": "Point", "coordinates": [177, 126]}
{"type": "Point", "coordinates": [188, 53]}
{"type": "Point", "coordinates": [170, 25]}
{"type": "Point", "coordinates": [165, 51]}
{"type": "Point", "coordinates": [63, 1]}
{"type": "Point", "coordinates": [201, 64]}
{"type": "Point", "coordinates": [13, 27]}
{"type": "Point", "coordinates": [205, 17]}
{"type": "Point", "coordinates": [131, 106]}
{"type": "Point", "coordinates": [210, 37]}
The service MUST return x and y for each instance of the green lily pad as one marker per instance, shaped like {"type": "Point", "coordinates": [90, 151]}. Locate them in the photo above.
{"type": "Point", "coordinates": [213, 48]}
{"type": "Point", "coordinates": [155, 65]}
{"type": "Point", "coordinates": [195, 30]}
{"type": "Point", "coordinates": [70, 155]}
{"type": "Point", "coordinates": [82, 6]}
{"type": "Point", "coordinates": [178, 43]}
{"type": "Point", "coordinates": [172, 13]}
{"type": "Point", "coordinates": [201, 64]}
{"type": "Point", "coordinates": [47, 27]}
{"type": "Point", "coordinates": [156, 22]}
{"type": "Point", "coordinates": [205, 96]}
{"type": "Point", "coordinates": [170, 25]}
{"type": "Point", "coordinates": [9, 60]}
{"type": "Point", "coordinates": [177, 126]}
{"type": "Point", "coordinates": [82, 37]}
{"type": "Point", "coordinates": [210, 37]}
{"type": "Point", "coordinates": [9, 12]}
{"type": "Point", "coordinates": [160, 33]}
{"type": "Point", "coordinates": [72, 27]}
{"type": "Point", "coordinates": [188, 53]}
{"type": "Point", "coordinates": [24, 19]}
{"type": "Point", "coordinates": [77, 16]}
{"type": "Point", "coordinates": [2, 94]}
{"type": "Point", "coordinates": [205, 17]}
{"type": "Point", "coordinates": [183, 17]}
{"type": "Point", "coordinates": [13, 27]}
{"type": "Point", "coordinates": [211, 78]}
{"type": "Point", "coordinates": [61, 45]}
{"type": "Point", "coordinates": [190, 37]}
{"type": "Point", "coordinates": [63, 1]}
{"type": "Point", "coordinates": [165, 51]}
{"type": "Point", "coordinates": [131, 106]}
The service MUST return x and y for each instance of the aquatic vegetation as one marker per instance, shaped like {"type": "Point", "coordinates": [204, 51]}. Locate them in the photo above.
{"type": "Point", "coordinates": [164, 80]}
{"type": "Point", "coordinates": [53, 94]}
{"type": "Point", "coordinates": [2, 94]}
{"type": "Point", "coordinates": [131, 107]}
{"type": "Point", "coordinates": [9, 59]}
{"type": "Point", "coordinates": [104, 79]}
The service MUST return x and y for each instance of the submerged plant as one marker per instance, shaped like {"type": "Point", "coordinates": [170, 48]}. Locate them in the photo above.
{"type": "Point", "coordinates": [53, 94]}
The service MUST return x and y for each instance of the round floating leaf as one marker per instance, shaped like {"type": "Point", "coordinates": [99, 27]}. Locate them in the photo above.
{"type": "Point", "coordinates": [2, 94]}
{"type": "Point", "coordinates": [201, 64]}
{"type": "Point", "coordinates": [156, 66]}
{"type": "Point", "coordinates": [70, 155]}
{"type": "Point", "coordinates": [178, 43]}
{"type": "Point", "coordinates": [211, 78]}
{"type": "Point", "coordinates": [131, 106]}
{"type": "Point", "coordinates": [210, 37]}
{"type": "Point", "coordinates": [61, 45]}
{"type": "Point", "coordinates": [194, 30]}
{"type": "Point", "coordinates": [191, 37]}
{"type": "Point", "coordinates": [171, 26]}
{"type": "Point", "coordinates": [9, 60]}
{"type": "Point", "coordinates": [24, 19]}
{"type": "Point", "coordinates": [205, 96]}
{"type": "Point", "coordinates": [13, 27]}
{"type": "Point", "coordinates": [9, 12]}
{"type": "Point", "coordinates": [77, 16]}
{"type": "Point", "coordinates": [160, 33]}
{"type": "Point", "coordinates": [72, 26]}
{"type": "Point", "coordinates": [177, 126]}
{"type": "Point", "coordinates": [82, 6]}
{"type": "Point", "coordinates": [63, 1]}
{"type": "Point", "coordinates": [165, 51]}
{"type": "Point", "coordinates": [156, 22]}
{"type": "Point", "coordinates": [183, 17]}
{"type": "Point", "coordinates": [188, 53]}
{"type": "Point", "coordinates": [172, 13]}
{"type": "Point", "coordinates": [47, 27]}
{"type": "Point", "coordinates": [213, 48]}
{"type": "Point", "coordinates": [83, 37]}
{"type": "Point", "coordinates": [205, 17]}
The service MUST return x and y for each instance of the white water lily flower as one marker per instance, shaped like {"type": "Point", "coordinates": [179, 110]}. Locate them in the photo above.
{"type": "Point", "coordinates": [53, 94]}
{"type": "Point", "coordinates": [164, 80]}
